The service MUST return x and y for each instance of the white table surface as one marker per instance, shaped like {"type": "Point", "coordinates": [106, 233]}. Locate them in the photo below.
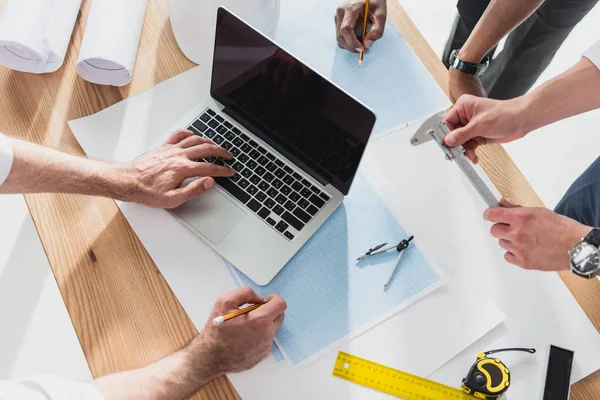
{"type": "Point", "coordinates": [37, 335]}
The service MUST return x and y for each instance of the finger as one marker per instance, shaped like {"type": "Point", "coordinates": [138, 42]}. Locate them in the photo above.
{"type": "Point", "coordinates": [339, 17]}
{"type": "Point", "coordinates": [460, 136]}
{"type": "Point", "coordinates": [178, 136]}
{"type": "Point", "coordinates": [377, 19]}
{"type": "Point", "coordinates": [190, 191]}
{"type": "Point", "coordinates": [205, 150]}
{"type": "Point", "coordinates": [511, 258]}
{"type": "Point", "coordinates": [499, 214]}
{"type": "Point", "coordinates": [500, 231]}
{"type": "Point", "coordinates": [506, 245]}
{"type": "Point", "coordinates": [470, 147]}
{"type": "Point", "coordinates": [452, 119]}
{"type": "Point", "coordinates": [273, 308]}
{"type": "Point", "coordinates": [191, 141]}
{"type": "Point", "coordinates": [245, 295]}
{"type": "Point", "coordinates": [207, 169]}
{"type": "Point", "coordinates": [278, 321]}
{"type": "Point", "coordinates": [347, 29]}
{"type": "Point", "coordinates": [506, 204]}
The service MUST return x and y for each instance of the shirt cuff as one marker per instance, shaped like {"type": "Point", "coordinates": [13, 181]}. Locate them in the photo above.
{"type": "Point", "coordinates": [593, 54]}
{"type": "Point", "coordinates": [6, 158]}
{"type": "Point", "coordinates": [48, 387]}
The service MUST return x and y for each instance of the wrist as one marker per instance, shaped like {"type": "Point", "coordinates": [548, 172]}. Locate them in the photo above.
{"type": "Point", "coordinates": [470, 56]}
{"type": "Point", "coordinates": [524, 113]}
{"type": "Point", "coordinates": [119, 181]}
{"type": "Point", "coordinates": [577, 233]}
{"type": "Point", "coordinates": [202, 358]}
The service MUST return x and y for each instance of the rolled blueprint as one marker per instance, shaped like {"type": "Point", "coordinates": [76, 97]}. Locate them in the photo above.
{"type": "Point", "coordinates": [110, 42]}
{"type": "Point", "coordinates": [35, 34]}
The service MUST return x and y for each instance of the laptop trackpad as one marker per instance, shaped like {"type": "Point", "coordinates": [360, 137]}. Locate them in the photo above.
{"type": "Point", "coordinates": [212, 214]}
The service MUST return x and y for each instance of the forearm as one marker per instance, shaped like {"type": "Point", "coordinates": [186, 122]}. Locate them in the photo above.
{"type": "Point", "coordinates": [500, 17]}
{"type": "Point", "coordinates": [175, 377]}
{"type": "Point", "coordinates": [574, 92]}
{"type": "Point", "coordinates": [37, 169]}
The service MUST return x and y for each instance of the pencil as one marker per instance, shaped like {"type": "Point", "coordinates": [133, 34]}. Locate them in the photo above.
{"type": "Point", "coordinates": [220, 319]}
{"type": "Point", "coordinates": [364, 31]}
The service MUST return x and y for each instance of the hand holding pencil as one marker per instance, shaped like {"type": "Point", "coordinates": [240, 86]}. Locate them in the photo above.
{"type": "Point", "coordinates": [241, 338]}
{"type": "Point", "coordinates": [355, 15]}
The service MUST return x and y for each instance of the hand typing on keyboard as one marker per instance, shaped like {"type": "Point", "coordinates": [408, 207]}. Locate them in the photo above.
{"type": "Point", "coordinates": [156, 177]}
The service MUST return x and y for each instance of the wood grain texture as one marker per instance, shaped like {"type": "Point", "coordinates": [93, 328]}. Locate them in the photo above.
{"type": "Point", "coordinates": [511, 183]}
{"type": "Point", "coordinates": [124, 313]}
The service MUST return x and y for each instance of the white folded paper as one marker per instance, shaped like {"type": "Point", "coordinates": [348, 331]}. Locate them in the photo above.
{"type": "Point", "coordinates": [110, 42]}
{"type": "Point", "coordinates": [34, 34]}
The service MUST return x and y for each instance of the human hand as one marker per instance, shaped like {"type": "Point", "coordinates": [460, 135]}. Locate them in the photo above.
{"type": "Point", "coordinates": [461, 83]}
{"type": "Point", "coordinates": [157, 176]}
{"type": "Point", "coordinates": [240, 343]}
{"type": "Point", "coordinates": [476, 121]}
{"type": "Point", "coordinates": [349, 17]}
{"type": "Point", "coordinates": [535, 238]}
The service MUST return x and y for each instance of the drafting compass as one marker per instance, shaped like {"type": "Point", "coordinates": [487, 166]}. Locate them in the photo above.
{"type": "Point", "coordinates": [400, 247]}
{"type": "Point", "coordinates": [435, 128]}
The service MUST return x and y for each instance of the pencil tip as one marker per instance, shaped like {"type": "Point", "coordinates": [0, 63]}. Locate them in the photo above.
{"type": "Point", "coordinates": [360, 63]}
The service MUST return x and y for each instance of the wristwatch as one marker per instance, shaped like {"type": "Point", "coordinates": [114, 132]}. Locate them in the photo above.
{"type": "Point", "coordinates": [585, 256]}
{"type": "Point", "coordinates": [468, 68]}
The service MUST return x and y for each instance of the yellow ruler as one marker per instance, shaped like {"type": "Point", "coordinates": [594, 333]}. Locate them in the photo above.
{"type": "Point", "coordinates": [392, 381]}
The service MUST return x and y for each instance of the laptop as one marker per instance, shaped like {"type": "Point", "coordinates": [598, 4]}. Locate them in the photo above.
{"type": "Point", "coordinates": [297, 140]}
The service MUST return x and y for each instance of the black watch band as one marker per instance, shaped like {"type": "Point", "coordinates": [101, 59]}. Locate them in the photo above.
{"type": "Point", "coordinates": [593, 237]}
{"type": "Point", "coordinates": [467, 67]}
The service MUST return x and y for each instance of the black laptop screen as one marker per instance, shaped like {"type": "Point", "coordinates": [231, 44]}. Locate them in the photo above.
{"type": "Point", "coordinates": [287, 104]}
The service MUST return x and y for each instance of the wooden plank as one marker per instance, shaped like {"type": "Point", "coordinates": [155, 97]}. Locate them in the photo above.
{"type": "Point", "coordinates": [511, 183]}
{"type": "Point", "coordinates": [124, 313]}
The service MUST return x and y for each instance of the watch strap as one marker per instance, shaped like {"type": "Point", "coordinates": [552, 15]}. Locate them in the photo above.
{"type": "Point", "coordinates": [468, 68]}
{"type": "Point", "coordinates": [593, 237]}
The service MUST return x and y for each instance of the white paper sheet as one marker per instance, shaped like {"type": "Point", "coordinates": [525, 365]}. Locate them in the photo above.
{"type": "Point", "coordinates": [110, 42]}
{"type": "Point", "coordinates": [406, 341]}
{"type": "Point", "coordinates": [437, 204]}
{"type": "Point", "coordinates": [34, 34]}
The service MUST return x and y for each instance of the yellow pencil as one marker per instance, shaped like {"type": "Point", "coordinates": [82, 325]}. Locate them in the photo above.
{"type": "Point", "coordinates": [220, 319]}
{"type": "Point", "coordinates": [364, 31]}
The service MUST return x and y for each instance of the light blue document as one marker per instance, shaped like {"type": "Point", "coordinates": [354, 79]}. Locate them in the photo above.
{"type": "Point", "coordinates": [331, 297]}
{"type": "Point", "coordinates": [392, 80]}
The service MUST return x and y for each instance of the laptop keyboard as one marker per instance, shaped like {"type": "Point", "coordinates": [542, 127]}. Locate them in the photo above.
{"type": "Point", "coordinates": [267, 185]}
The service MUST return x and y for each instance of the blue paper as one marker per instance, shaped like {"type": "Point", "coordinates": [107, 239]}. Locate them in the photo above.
{"type": "Point", "coordinates": [392, 80]}
{"type": "Point", "coordinates": [329, 294]}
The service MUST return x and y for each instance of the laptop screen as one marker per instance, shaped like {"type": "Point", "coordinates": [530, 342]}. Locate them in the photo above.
{"type": "Point", "coordinates": [285, 103]}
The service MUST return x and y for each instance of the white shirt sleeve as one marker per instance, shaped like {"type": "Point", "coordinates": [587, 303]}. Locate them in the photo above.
{"type": "Point", "coordinates": [6, 158]}
{"type": "Point", "coordinates": [593, 54]}
{"type": "Point", "coordinates": [48, 387]}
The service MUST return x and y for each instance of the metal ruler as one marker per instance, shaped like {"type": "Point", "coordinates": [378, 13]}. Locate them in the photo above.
{"type": "Point", "coordinates": [392, 381]}
{"type": "Point", "coordinates": [435, 129]}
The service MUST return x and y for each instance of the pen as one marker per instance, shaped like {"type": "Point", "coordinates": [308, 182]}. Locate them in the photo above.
{"type": "Point", "coordinates": [364, 31]}
{"type": "Point", "coordinates": [222, 318]}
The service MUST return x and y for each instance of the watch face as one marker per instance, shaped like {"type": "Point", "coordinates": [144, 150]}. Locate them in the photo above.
{"type": "Point", "coordinates": [585, 258]}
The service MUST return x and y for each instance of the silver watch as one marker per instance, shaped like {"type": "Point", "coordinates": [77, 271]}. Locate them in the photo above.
{"type": "Point", "coordinates": [585, 256]}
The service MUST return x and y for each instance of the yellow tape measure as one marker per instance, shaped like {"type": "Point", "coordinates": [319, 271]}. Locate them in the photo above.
{"type": "Point", "coordinates": [392, 381]}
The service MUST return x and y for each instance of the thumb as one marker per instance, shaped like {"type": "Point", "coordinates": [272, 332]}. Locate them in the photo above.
{"type": "Point", "coordinates": [460, 136]}
{"type": "Point", "coordinates": [191, 191]}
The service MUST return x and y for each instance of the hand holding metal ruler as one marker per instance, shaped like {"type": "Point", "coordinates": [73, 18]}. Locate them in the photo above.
{"type": "Point", "coordinates": [435, 128]}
